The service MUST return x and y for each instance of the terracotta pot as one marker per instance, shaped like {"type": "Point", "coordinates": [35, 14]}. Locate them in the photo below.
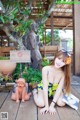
{"type": "Point", "coordinates": [7, 67]}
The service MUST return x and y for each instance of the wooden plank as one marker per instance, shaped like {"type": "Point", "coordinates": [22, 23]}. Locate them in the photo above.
{"type": "Point", "coordinates": [77, 88]}
{"type": "Point", "coordinates": [45, 50]}
{"type": "Point", "coordinates": [77, 95]}
{"type": "Point", "coordinates": [47, 116]}
{"type": "Point", "coordinates": [3, 97]}
{"type": "Point", "coordinates": [67, 113]}
{"type": "Point", "coordinates": [27, 111]}
{"type": "Point", "coordinates": [11, 107]}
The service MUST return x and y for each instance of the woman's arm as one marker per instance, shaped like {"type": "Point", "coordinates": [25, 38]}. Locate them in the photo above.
{"type": "Point", "coordinates": [45, 85]}
{"type": "Point", "coordinates": [45, 90]}
{"type": "Point", "coordinates": [56, 96]}
{"type": "Point", "coordinates": [59, 90]}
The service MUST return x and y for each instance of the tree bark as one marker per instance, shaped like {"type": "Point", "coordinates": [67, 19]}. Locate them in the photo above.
{"type": "Point", "coordinates": [12, 38]}
{"type": "Point", "coordinates": [2, 9]}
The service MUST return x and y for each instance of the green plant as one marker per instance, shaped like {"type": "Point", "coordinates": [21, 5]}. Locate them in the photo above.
{"type": "Point", "coordinates": [16, 73]}
{"type": "Point", "coordinates": [45, 62]}
{"type": "Point", "coordinates": [32, 75]}
{"type": "Point", "coordinates": [1, 77]}
{"type": "Point", "coordinates": [5, 78]}
{"type": "Point", "coordinates": [4, 58]}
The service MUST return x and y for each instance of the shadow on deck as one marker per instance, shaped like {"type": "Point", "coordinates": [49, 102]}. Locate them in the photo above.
{"type": "Point", "coordinates": [28, 110]}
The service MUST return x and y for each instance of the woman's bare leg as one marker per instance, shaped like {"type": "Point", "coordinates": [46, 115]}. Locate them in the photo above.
{"type": "Point", "coordinates": [60, 102]}
{"type": "Point", "coordinates": [38, 98]}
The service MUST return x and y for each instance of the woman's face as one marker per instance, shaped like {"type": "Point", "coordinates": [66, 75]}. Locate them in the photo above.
{"type": "Point", "coordinates": [59, 62]}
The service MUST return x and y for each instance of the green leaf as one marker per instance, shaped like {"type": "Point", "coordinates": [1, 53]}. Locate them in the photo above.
{"type": "Point", "coordinates": [2, 19]}
{"type": "Point", "coordinates": [11, 16]}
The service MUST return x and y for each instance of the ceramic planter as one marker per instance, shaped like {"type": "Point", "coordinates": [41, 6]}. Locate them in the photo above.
{"type": "Point", "coordinates": [7, 67]}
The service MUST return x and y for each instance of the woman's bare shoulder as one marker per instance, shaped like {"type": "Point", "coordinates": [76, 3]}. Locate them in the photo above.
{"type": "Point", "coordinates": [62, 74]}
{"type": "Point", "coordinates": [47, 68]}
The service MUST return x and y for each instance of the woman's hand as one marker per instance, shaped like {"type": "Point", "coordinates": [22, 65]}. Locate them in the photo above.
{"type": "Point", "coordinates": [44, 110]}
{"type": "Point", "coordinates": [52, 110]}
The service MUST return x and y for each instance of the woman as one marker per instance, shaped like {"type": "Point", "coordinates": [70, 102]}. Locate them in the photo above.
{"type": "Point", "coordinates": [55, 83]}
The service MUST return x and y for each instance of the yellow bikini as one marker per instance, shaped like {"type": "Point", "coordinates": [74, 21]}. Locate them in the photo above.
{"type": "Point", "coordinates": [51, 88]}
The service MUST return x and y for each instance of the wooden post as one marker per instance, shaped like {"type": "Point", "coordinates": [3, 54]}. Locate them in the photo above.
{"type": "Point", "coordinates": [21, 70]}
{"type": "Point", "coordinates": [45, 37]}
{"type": "Point", "coordinates": [76, 40]}
{"type": "Point", "coordinates": [52, 30]}
{"type": "Point", "coordinates": [8, 42]}
{"type": "Point", "coordinates": [1, 41]}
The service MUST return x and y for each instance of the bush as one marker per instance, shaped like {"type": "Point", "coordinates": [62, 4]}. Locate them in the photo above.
{"type": "Point", "coordinates": [4, 58]}
{"type": "Point", "coordinates": [16, 73]}
{"type": "Point", "coordinates": [32, 75]}
{"type": "Point", "coordinates": [45, 62]}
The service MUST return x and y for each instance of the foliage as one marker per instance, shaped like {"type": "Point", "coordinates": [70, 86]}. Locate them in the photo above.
{"type": "Point", "coordinates": [45, 62]}
{"type": "Point", "coordinates": [16, 73]}
{"type": "Point", "coordinates": [16, 18]}
{"type": "Point", "coordinates": [29, 74]}
{"type": "Point", "coordinates": [16, 12]}
{"type": "Point", "coordinates": [32, 75]}
{"type": "Point", "coordinates": [56, 37]}
{"type": "Point", "coordinates": [5, 78]}
{"type": "Point", "coordinates": [4, 58]}
{"type": "Point", "coordinates": [48, 35]}
{"type": "Point", "coordinates": [41, 32]}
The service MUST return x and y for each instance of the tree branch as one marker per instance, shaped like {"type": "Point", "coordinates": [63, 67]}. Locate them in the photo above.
{"type": "Point", "coordinates": [12, 38]}
{"type": "Point", "coordinates": [46, 15]}
{"type": "Point", "coordinates": [2, 9]}
{"type": "Point", "coordinates": [29, 6]}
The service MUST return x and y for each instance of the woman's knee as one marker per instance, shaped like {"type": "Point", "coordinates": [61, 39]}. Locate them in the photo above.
{"type": "Point", "coordinates": [60, 103]}
{"type": "Point", "coordinates": [39, 103]}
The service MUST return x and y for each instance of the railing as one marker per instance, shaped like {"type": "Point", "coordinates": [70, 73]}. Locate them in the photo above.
{"type": "Point", "coordinates": [49, 51]}
{"type": "Point", "coordinates": [5, 51]}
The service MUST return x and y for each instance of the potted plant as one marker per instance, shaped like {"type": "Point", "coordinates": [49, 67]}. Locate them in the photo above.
{"type": "Point", "coordinates": [17, 72]}
{"type": "Point", "coordinates": [45, 62]}
{"type": "Point", "coordinates": [5, 78]}
{"type": "Point", "coordinates": [6, 82]}
{"type": "Point", "coordinates": [32, 76]}
{"type": "Point", "coordinates": [6, 66]}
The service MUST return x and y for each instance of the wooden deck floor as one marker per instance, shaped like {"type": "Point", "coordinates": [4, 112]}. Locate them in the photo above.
{"type": "Point", "coordinates": [29, 111]}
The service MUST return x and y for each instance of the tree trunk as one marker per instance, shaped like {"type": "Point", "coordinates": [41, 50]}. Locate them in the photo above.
{"type": "Point", "coordinates": [12, 38]}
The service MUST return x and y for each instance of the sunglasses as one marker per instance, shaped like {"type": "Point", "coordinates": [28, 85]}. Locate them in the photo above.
{"type": "Point", "coordinates": [66, 52]}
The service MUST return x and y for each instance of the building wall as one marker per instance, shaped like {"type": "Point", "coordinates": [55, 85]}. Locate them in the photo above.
{"type": "Point", "coordinates": [76, 52]}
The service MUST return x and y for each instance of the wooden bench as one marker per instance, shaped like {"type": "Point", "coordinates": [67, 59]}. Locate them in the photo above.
{"type": "Point", "coordinates": [5, 51]}
{"type": "Point", "coordinates": [49, 51]}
